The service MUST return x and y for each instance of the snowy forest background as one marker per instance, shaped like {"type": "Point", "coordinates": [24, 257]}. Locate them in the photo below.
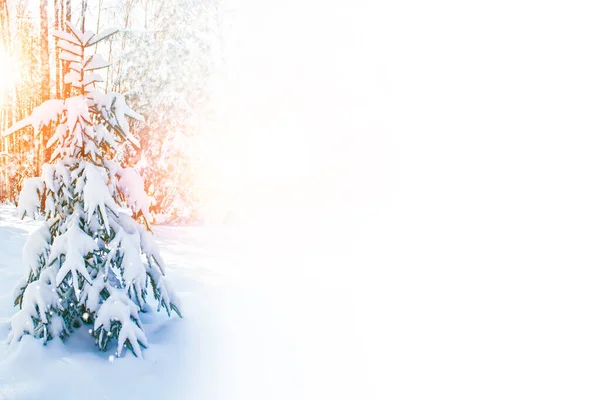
{"type": "Point", "coordinates": [165, 60]}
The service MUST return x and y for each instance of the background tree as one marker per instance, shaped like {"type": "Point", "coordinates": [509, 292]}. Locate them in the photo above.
{"type": "Point", "coordinates": [164, 58]}
{"type": "Point", "coordinates": [171, 98]}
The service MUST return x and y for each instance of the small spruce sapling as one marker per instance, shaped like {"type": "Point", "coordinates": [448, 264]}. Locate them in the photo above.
{"type": "Point", "coordinates": [90, 261]}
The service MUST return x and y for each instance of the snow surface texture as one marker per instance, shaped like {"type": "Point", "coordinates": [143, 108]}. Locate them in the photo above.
{"type": "Point", "coordinates": [250, 331]}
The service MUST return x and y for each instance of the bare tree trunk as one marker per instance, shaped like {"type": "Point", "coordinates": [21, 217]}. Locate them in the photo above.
{"type": "Point", "coordinates": [57, 62]}
{"type": "Point", "coordinates": [98, 22]}
{"type": "Point", "coordinates": [83, 10]}
{"type": "Point", "coordinates": [67, 12]}
{"type": "Point", "coordinates": [110, 61]}
{"type": "Point", "coordinates": [45, 92]}
{"type": "Point", "coordinates": [4, 35]}
{"type": "Point", "coordinates": [45, 51]}
{"type": "Point", "coordinates": [127, 22]}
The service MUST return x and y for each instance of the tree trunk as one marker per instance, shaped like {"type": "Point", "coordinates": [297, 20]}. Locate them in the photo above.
{"type": "Point", "coordinates": [57, 61]}
{"type": "Point", "coordinates": [45, 92]}
{"type": "Point", "coordinates": [83, 10]}
{"type": "Point", "coordinates": [67, 17]}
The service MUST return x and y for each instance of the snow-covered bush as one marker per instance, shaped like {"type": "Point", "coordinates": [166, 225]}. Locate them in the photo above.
{"type": "Point", "coordinates": [91, 262]}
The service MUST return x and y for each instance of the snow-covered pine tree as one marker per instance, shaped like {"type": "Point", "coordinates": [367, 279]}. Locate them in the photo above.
{"type": "Point", "coordinates": [90, 262]}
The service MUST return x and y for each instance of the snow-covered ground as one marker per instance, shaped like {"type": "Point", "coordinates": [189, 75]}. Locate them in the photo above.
{"type": "Point", "coordinates": [258, 324]}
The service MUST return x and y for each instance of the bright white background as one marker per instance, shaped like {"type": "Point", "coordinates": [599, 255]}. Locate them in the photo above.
{"type": "Point", "coordinates": [449, 152]}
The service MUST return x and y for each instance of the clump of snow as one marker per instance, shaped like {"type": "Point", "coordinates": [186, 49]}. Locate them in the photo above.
{"type": "Point", "coordinates": [30, 197]}
{"type": "Point", "coordinates": [20, 324]}
{"type": "Point", "coordinates": [75, 245]}
{"type": "Point", "coordinates": [96, 195]}
{"type": "Point", "coordinates": [118, 308]}
{"type": "Point", "coordinates": [66, 36]}
{"type": "Point", "coordinates": [131, 185]}
{"type": "Point", "coordinates": [101, 36]}
{"type": "Point", "coordinates": [114, 109]}
{"type": "Point", "coordinates": [133, 270]}
{"type": "Point", "coordinates": [48, 111]}
{"type": "Point", "coordinates": [39, 299]}
{"type": "Point", "coordinates": [48, 177]}
{"type": "Point", "coordinates": [36, 249]}
{"type": "Point", "coordinates": [95, 61]}
{"type": "Point", "coordinates": [70, 47]}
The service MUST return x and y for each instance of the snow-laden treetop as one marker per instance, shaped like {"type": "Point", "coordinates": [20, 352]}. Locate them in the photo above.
{"type": "Point", "coordinates": [81, 108]}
